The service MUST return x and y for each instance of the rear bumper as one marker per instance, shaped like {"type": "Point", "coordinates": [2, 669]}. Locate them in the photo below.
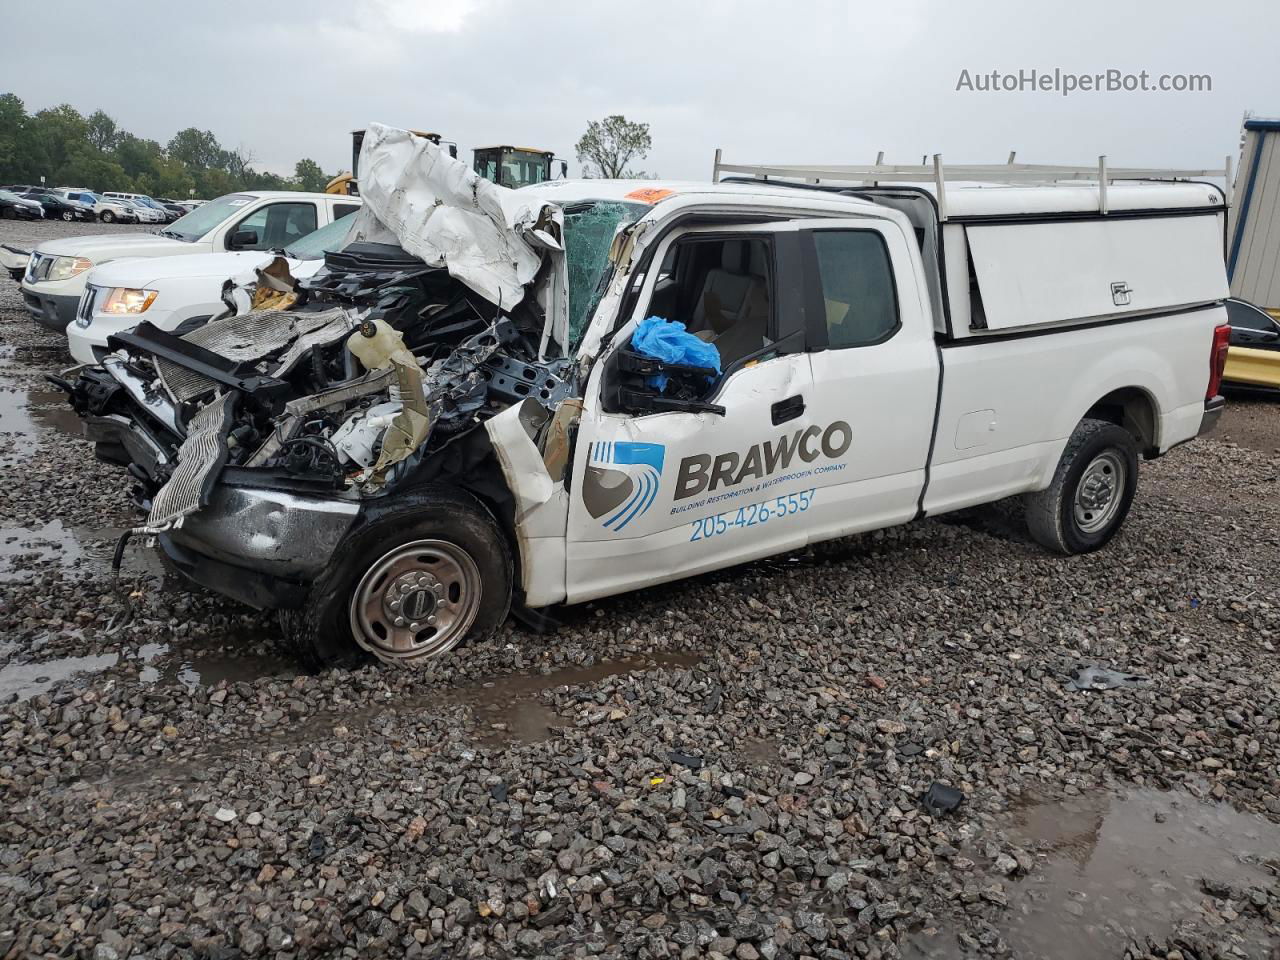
{"type": "Point", "coordinates": [50, 310]}
{"type": "Point", "coordinates": [1212, 413]}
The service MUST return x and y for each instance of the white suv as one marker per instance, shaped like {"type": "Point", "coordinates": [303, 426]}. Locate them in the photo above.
{"type": "Point", "coordinates": [177, 294]}
{"type": "Point", "coordinates": [253, 220]}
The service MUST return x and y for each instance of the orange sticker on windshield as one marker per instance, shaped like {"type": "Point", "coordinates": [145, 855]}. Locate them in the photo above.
{"type": "Point", "coordinates": [649, 194]}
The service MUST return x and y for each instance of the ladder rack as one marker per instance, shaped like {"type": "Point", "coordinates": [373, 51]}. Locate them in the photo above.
{"type": "Point", "coordinates": [938, 175]}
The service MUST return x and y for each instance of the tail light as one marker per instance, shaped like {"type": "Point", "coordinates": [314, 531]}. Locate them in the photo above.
{"type": "Point", "coordinates": [1217, 360]}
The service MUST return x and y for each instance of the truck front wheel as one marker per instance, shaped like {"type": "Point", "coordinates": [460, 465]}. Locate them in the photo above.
{"type": "Point", "coordinates": [427, 572]}
{"type": "Point", "coordinates": [1091, 492]}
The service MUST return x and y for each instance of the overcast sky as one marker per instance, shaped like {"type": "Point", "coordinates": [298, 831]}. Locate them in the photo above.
{"type": "Point", "coordinates": [786, 81]}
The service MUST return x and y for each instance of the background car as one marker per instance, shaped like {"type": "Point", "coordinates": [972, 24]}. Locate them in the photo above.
{"type": "Point", "coordinates": [60, 208]}
{"type": "Point", "coordinates": [144, 213]}
{"type": "Point", "coordinates": [14, 207]}
{"type": "Point", "coordinates": [105, 209]}
{"type": "Point", "coordinates": [1253, 357]}
{"type": "Point", "coordinates": [144, 202]}
{"type": "Point", "coordinates": [173, 206]}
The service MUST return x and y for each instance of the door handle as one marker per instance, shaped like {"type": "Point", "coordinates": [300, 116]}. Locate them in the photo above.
{"type": "Point", "coordinates": [787, 409]}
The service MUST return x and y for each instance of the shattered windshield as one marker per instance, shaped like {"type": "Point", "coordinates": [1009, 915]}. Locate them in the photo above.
{"type": "Point", "coordinates": [588, 233]}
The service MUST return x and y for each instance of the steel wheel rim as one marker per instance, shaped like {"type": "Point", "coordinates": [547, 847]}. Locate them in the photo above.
{"type": "Point", "coordinates": [417, 601]}
{"type": "Point", "coordinates": [1100, 491]}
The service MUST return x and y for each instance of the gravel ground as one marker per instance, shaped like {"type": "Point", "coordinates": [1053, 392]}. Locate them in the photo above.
{"type": "Point", "coordinates": [726, 767]}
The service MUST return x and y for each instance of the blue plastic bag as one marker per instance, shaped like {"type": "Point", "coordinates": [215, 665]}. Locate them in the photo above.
{"type": "Point", "coordinates": [670, 342]}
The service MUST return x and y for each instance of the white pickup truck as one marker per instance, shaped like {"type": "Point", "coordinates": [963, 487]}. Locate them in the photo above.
{"type": "Point", "coordinates": [254, 220]}
{"type": "Point", "coordinates": [886, 353]}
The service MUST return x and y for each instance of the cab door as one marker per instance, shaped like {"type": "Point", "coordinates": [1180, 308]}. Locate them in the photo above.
{"type": "Point", "coordinates": [875, 369]}
{"type": "Point", "coordinates": [660, 495]}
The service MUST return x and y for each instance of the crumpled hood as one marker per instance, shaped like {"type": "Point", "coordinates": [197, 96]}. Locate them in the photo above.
{"type": "Point", "coordinates": [114, 246]}
{"type": "Point", "coordinates": [488, 237]}
{"type": "Point", "coordinates": [144, 271]}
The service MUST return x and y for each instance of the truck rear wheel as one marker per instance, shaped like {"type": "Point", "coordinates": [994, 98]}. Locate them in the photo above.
{"type": "Point", "coordinates": [429, 571]}
{"type": "Point", "coordinates": [1091, 492]}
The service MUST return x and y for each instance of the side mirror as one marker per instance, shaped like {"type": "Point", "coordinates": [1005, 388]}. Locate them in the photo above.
{"type": "Point", "coordinates": [242, 240]}
{"type": "Point", "coordinates": [635, 391]}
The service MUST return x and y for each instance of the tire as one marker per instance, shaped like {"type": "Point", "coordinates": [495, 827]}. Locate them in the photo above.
{"type": "Point", "coordinates": [68, 216]}
{"type": "Point", "coordinates": [443, 550]}
{"type": "Point", "coordinates": [1091, 492]}
{"type": "Point", "coordinates": [107, 217]}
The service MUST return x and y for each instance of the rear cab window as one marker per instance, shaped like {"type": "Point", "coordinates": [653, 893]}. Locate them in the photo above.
{"type": "Point", "coordinates": [855, 296]}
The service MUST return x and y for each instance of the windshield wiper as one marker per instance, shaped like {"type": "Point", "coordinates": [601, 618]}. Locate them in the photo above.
{"type": "Point", "coordinates": [171, 235]}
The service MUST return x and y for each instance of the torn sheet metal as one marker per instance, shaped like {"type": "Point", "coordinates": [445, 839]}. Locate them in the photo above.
{"type": "Point", "coordinates": [276, 287]}
{"type": "Point", "coordinates": [252, 336]}
{"type": "Point", "coordinates": [14, 260]}
{"type": "Point", "coordinates": [490, 238]}
{"type": "Point", "coordinates": [512, 434]}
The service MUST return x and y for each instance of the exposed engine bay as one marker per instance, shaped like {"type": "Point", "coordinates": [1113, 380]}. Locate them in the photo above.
{"type": "Point", "coordinates": [379, 361]}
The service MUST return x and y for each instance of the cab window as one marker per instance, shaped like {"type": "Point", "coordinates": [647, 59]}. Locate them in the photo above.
{"type": "Point", "coordinates": [279, 224]}
{"type": "Point", "coordinates": [721, 289]}
{"type": "Point", "coordinates": [856, 299]}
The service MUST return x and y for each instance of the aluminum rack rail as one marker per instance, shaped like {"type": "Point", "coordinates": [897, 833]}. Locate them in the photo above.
{"type": "Point", "coordinates": [938, 175]}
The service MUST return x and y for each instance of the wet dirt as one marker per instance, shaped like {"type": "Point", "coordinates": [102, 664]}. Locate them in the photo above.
{"type": "Point", "coordinates": [1115, 866]}
{"type": "Point", "coordinates": [1251, 421]}
{"type": "Point", "coordinates": [504, 712]}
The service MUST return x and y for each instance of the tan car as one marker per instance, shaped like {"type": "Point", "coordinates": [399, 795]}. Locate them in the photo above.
{"type": "Point", "coordinates": [1253, 359]}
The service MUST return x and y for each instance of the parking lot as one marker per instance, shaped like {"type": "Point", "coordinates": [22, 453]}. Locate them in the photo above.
{"type": "Point", "coordinates": [731, 765]}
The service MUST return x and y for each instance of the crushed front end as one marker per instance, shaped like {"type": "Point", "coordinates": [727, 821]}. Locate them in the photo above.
{"type": "Point", "coordinates": [256, 441]}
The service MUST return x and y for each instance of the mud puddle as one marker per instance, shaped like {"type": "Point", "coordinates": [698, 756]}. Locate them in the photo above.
{"type": "Point", "coordinates": [157, 664]}
{"type": "Point", "coordinates": [1111, 867]}
{"type": "Point", "coordinates": [37, 409]}
{"type": "Point", "coordinates": [510, 710]}
{"type": "Point", "coordinates": [72, 548]}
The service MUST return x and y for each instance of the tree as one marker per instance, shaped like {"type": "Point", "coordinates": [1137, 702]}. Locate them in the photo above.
{"type": "Point", "coordinates": [198, 149]}
{"type": "Point", "coordinates": [104, 133]}
{"type": "Point", "coordinates": [17, 154]}
{"type": "Point", "coordinates": [610, 144]}
{"type": "Point", "coordinates": [308, 176]}
{"type": "Point", "coordinates": [57, 132]}
{"type": "Point", "coordinates": [137, 156]}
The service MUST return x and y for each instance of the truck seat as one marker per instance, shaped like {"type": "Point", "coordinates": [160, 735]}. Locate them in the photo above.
{"type": "Point", "coordinates": [732, 309]}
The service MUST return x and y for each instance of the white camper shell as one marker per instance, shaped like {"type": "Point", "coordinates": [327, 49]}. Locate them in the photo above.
{"type": "Point", "coordinates": [1018, 241]}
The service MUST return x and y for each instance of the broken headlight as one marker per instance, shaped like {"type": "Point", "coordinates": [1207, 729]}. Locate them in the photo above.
{"type": "Point", "coordinates": [127, 300]}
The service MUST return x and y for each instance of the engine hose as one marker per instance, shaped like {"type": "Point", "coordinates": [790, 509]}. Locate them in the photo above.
{"type": "Point", "coordinates": [117, 558]}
